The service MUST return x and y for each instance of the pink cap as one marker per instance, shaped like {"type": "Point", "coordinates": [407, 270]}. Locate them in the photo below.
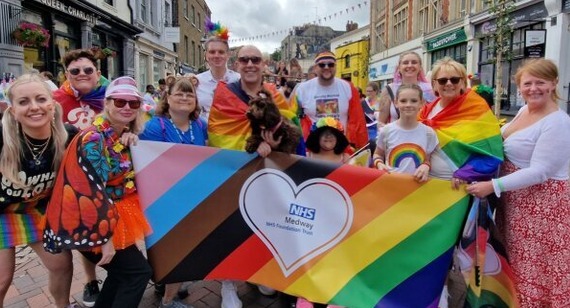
{"type": "Point", "coordinates": [124, 88]}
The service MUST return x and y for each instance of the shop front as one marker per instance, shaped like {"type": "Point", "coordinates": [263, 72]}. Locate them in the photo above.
{"type": "Point", "coordinates": [452, 44]}
{"type": "Point", "coordinates": [71, 25]}
{"type": "Point", "coordinates": [526, 21]}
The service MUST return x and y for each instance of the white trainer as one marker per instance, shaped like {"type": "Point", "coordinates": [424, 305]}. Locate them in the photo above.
{"type": "Point", "coordinates": [267, 291]}
{"type": "Point", "coordinates": [230, 297]}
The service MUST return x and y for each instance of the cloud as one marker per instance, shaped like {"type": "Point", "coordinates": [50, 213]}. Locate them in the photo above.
{"type": "Point", "coordinates": [251, 18]}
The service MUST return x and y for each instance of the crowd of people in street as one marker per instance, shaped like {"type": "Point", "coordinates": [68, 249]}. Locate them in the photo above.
{"type": "Point", "coordinates": [76, 139]}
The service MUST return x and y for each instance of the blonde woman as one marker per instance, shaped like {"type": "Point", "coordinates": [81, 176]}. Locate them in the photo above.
{"type": "Point", "coordinates": [96, 183]}
{"type": "Point", "coordinates": [32, 143]}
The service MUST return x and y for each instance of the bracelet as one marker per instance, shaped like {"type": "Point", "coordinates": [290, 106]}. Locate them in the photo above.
{"type": "Point", "coordinates": [500, 184]}
{"type": "Point", "coordinates": [427, 164]}
{"type": "Point", "coordinates": [376, 161]}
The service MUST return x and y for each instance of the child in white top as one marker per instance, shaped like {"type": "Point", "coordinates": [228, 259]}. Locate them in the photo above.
{"type": "Point", "coordinates": [405, 146]}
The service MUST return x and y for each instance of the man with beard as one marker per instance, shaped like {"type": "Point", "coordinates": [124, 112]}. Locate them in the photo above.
{"type": "Point", "coordinates": [229, 127]}
{"type": "Point", "coordinates": [328, 96]}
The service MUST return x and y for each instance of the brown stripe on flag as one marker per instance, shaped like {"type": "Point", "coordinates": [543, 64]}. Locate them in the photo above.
{"type": "Point", "coordinates": [179, 242]}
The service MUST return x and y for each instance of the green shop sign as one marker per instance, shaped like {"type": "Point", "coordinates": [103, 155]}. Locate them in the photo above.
{"type": "Point", "coordinates": [448, 39]}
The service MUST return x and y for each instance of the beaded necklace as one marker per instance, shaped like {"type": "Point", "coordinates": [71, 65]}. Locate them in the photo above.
{"type": "Point", "coordinates": [116, 151]}
{"type": "Point", "coordinates": [181, 133]}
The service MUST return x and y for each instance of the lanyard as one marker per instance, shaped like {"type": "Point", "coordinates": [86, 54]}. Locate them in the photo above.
{"type": "Point", "coordinates": [181, 133]}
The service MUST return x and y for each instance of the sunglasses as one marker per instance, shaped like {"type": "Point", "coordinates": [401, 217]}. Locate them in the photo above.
{"type": "Point", "coordinates": [86, 70]}
{"type": "Point", "coordinates": [443, 81]}
{"type": "Point", "coordinates": [323, 65]}
{"type": "Point", "coordinates": [120, 103]}
{"type": "Point", "coordinates": [245, 60]}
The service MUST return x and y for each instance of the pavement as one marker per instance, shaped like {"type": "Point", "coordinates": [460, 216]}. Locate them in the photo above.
{"type": "Point", "coordinates": [29, 288]}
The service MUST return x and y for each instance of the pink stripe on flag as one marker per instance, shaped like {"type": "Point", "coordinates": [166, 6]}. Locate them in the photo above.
{"type": "Point", "coordinates": [175, 163]}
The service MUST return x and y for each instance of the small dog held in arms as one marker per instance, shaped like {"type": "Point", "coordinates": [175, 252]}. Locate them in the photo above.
{"type": "Point", "coordinates": [263, 114]}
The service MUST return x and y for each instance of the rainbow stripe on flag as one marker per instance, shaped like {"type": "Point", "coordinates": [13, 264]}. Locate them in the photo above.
{"type": "Point", "coordinates": [331, 233]}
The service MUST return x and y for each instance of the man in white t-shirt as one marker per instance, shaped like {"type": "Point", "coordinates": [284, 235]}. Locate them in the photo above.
{"type": "Point", "coordinates": [217, 54]}
{"type": "Point", "coordinates": [328, 96]}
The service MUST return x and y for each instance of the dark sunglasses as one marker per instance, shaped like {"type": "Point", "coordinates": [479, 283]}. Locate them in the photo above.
{"type": "Point", "coordinates": [86, 70]}
{"type": "Point", "coordinates": [323, 65]}
{"type": "Point", "coordinates": [443, 81]}
{"type": "Point", "coordinates": [120, 103]}
{"type": "Point", "coordinates": [245, 60]}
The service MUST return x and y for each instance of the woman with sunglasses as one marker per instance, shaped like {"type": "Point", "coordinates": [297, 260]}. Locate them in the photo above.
{"type": "Point", "coordinates": [32, 143]}
{"type": "Point", "coordinates": [471, 147]}
{"type": "Point", "coordinates": [83, 93]}
{"type": "Point", "coordinates": [96, 184]}
{"type": "Point", "coordinates": [471, 144]}
{"type": "Point", "coordinates": [408, 71]}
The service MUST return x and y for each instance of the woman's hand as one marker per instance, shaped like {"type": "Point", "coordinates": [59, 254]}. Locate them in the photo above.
{"type": "Point", "coordinates": [264, 149]}
{"type": "Point", "coordinates": [480, 189]}
{"type": "Point", "coordinates": [108, 251]}
{"type": "Point", "coordinates": [422, 172]}
{"type": "Point", "coordinates": [267, 136]}
{"type": "Point", "coordinates": [128, 139]}
{"type": "Point", "coordinates": [457, 182]}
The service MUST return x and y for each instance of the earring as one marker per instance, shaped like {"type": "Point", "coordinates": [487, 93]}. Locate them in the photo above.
{"type": "Point", "coordinates": [436, 93]}
{"type": "Point", "coordinates": [461, 91]}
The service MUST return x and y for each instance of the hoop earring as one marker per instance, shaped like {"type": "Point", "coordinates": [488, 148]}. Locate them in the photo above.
{"type": "Point", "coordinates": [436, 93]}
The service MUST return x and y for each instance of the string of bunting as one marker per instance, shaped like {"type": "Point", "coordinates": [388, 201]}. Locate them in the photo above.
{"type": "Point", "coordinates": [332, 16]}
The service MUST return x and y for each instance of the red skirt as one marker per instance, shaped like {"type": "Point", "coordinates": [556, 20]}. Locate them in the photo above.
{"type": "Point", "coordinates": [536, 224]}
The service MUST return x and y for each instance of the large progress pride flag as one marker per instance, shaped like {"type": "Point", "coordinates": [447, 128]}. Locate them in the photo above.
{"type": "Point", "coordinates": [331, 233]}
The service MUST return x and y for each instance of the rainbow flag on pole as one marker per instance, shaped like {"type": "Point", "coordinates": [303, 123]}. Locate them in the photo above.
{"type": "Point", "coordinates": [331, 233]}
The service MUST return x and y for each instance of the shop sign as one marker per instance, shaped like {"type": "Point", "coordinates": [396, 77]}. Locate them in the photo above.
{"type": "Point", "coordinates": [186, 69]}
{"type": "Point", "coordinates": [566, 6]}
{"type": "Point", "coordinates": [519, 18]}
{"type": "Point", "coordinates": [448, 39]}
{"type": "Point", "coordinates": [534, 43]}
{"type": "Point", "coordinates": [70, 10]}
{"type": "Point", "coordinates": [171, 34]}
{"type": "Point", "coordinates": [383, 69]}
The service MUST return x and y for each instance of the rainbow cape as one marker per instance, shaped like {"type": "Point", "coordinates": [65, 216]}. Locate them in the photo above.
{"type": "Point", "coordinates": [483, 261]}
{"type": "Point", "coordinates": [331, 233]}
{"type": "Point", "coordinates": [228, 126]}
{"type": "Point", "coordinates": [468, 132]}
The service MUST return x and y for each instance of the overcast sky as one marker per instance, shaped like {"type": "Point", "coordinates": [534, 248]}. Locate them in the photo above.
{"type": "Point", "coordinates": [251, 18]}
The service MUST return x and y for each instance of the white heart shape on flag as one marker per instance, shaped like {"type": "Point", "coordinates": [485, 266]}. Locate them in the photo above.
{"type": "Point", "coordinates": [296, 223]}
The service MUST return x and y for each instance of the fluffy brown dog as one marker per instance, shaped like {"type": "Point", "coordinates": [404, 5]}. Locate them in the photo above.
{"type": "Point", "coordinates": [263, 114]}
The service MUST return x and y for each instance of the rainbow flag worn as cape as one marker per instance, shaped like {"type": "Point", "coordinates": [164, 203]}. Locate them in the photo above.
{"type": "Point", "coordinates": [469, 134]}
{"type": "Point", "coordinates": [331, 233]}
{"type": "Point", "coordinates": [228, 125]}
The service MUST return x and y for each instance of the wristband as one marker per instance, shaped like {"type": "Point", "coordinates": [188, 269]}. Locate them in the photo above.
{"type": "Point", "coordinates": [376, 161]}
{"type": "Point", "coordinates": [427, 164]}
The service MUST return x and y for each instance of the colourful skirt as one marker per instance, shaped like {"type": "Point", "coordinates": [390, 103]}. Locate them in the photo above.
{"type": "Point", "coordinates": [21, 224]}
{"type": "Point", "coordinates": [132, 225]}
{"type": "Point", "coordinates": [536, 225]}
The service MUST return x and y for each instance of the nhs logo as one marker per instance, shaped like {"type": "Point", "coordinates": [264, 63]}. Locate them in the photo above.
{"type": "Point", "coordinates": [301, 211]}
